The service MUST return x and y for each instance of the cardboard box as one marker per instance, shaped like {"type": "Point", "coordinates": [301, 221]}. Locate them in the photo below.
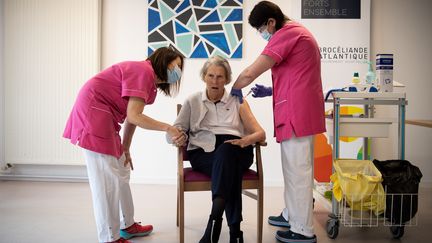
{"type": "Point", "coordinates": [384, 75]}
{"type": "Point", "coordinates": [384, 72]}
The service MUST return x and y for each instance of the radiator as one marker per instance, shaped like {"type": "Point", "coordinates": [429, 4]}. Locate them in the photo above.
{"type": "Point", "coordinates": [51, 47]}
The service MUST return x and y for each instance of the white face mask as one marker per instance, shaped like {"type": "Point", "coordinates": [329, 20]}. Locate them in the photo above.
{"type": "Point", "coordinates": [174, 75]}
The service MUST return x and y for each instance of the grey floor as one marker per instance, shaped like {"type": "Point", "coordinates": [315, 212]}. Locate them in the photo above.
{"type": "Point", "coordinates": [62, 212]}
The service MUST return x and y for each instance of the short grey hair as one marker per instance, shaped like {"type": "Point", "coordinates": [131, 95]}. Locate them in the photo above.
{"type": "Point", "coordinates": [218, 61]}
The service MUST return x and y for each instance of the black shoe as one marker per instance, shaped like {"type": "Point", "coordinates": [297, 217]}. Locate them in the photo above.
{"type": "Point", "coordinates": [291, 237]}
{"type": "Point", "coordinates": [236, 238]}
{"type": "Point", "coordinates": [279, 221]}
{"type": "Point", "coordinates": [212, 232]}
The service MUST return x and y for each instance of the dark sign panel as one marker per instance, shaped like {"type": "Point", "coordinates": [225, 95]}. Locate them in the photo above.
{"type": "Point", "coordinates": [330, 9]}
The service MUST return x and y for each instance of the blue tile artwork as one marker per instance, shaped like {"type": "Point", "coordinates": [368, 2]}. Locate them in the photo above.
{"type": "Point", "coordinates": [197, 28]}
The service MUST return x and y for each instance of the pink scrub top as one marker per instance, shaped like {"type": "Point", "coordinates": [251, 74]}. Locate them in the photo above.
{"type": "Point", "coordinates": [102, 103]}
{"type": "Point", "coordinates": [298, 102]}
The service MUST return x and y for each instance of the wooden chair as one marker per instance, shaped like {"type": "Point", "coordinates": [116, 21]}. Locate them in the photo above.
{"type": "Point", "coordinates": [190, 180]}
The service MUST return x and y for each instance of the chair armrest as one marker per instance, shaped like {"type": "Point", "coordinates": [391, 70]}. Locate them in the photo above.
{"type": "Point", "coordinates": [263, 143]}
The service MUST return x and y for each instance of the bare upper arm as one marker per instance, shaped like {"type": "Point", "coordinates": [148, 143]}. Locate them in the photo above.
{"type": "Point", "coordinates": [250, 123]}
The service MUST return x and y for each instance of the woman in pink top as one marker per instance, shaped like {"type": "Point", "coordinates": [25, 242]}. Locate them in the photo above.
{"type": "Point", "coordinates": [118, 95]}
{"type": "Point", "coordinates": [293, 56]}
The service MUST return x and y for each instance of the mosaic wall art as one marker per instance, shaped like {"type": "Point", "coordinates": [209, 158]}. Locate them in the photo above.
{"type": "Point", "coordinates": [197, 28]}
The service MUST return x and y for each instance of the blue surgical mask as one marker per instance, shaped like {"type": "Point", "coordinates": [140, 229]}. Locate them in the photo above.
{"type": "Point", "coordinates": [266, 35]}
{"type": "Point", "coordinates": [174, 75]}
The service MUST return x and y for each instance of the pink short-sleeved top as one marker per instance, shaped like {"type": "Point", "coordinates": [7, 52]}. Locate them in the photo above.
{"type": "Point", "coordinates": [102, 103]}
{"type": "Point", "coordinates": [298, 102]}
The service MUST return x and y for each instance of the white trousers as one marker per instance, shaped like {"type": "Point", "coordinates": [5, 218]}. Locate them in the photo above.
{"type": "Point", "coordinates": [112, 197]}
{"type": "Point", "coordinates": [297, 166]}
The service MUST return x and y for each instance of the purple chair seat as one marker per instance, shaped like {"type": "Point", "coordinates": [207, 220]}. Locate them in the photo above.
{"type": "Point", "coordinates": [191, 175]}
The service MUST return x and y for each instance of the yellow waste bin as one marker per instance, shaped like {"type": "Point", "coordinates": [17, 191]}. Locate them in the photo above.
{"type": "Point", "coordinates": [359, 182]}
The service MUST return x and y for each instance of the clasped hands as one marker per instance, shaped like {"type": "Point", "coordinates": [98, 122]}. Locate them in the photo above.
{"type": "Point", "coordinates": [178, 136]}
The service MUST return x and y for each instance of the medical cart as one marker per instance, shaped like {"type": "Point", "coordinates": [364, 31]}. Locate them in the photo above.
{"type": "Point", "coordinates": [365, 126]}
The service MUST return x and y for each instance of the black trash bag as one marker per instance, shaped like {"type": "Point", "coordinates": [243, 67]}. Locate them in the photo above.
{"type": "Point", "coordinates": [401, 180]}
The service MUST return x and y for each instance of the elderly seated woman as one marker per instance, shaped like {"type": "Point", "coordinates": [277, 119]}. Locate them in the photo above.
{"type": "Point", "coordinates": [221, 134]}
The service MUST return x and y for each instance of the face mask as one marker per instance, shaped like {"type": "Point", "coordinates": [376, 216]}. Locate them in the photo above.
{"type": "Point", "coordinates": [266, 35]}
{"type": "Point", "coordinates": [174, 75]}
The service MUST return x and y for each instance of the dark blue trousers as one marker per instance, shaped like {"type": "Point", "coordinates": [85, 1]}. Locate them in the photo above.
{"type": "Point", "coordinates": [225, 165]}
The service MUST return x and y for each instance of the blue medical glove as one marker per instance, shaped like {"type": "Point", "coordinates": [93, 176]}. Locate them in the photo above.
{"type": "Point", "coordinates": [238, 93]}
{"type": "Point", "coordinates": [261, 91]}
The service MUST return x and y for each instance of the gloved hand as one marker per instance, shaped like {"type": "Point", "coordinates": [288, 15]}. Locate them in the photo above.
{"type": "Point", "coordinates": [238, 93]}
{"type": "Point", "coordinates": [261, 91]}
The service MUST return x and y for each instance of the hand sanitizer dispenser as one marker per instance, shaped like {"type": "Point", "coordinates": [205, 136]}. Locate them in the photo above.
{"type": "Point", "coordinates": [370, 75]}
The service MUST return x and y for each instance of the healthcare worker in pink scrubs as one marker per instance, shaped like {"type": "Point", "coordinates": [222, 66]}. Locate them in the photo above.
{"type": "Point", "coordinates": [293, 56]}
{"type": "Point", "coordinates": [118, 95]}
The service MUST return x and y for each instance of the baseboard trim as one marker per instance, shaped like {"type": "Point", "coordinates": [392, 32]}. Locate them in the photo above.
{"type": "Point", "coordinates": [32, 172]}
{"type": "Point", "coordinates": [78, 173]}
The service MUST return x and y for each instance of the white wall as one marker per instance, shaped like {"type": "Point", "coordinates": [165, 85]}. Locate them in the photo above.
{"type": "Point", "coordinates": [124, 35]}
{"type": "Point", "coordinates": [399, 27]}
{"type": "Point", "coordinates": [403, 28]}
{"type": "Point", "coordinates": [1, 88]}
